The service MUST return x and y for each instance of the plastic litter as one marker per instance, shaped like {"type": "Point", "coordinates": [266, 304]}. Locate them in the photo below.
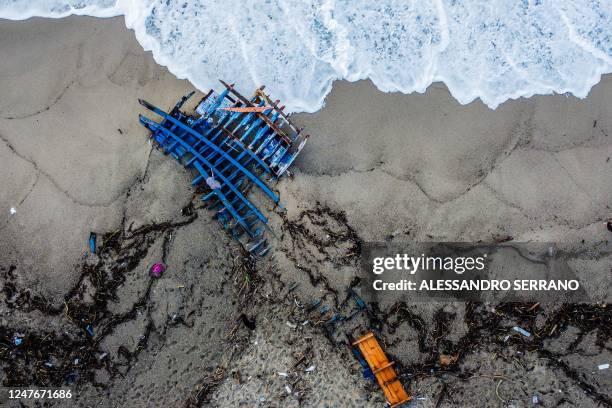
{"type": "Point", "coordinates": [336, 317]}
{"type": "Point", "coordinates": [282, 374]}
{"type": "Point", "coordinates": [288, 389]}
{"type": "Point", "coordinates": [521, 331]}
{"type": "Point", "coordinates": [361, 304]}
{"type": "Point", "coordinates": [293, 326]}
{"type": "Point", "coordinates": [157, 270]}
{"type": "Point", "coordinates": [92, 242]}
{"type": "Point", "coordinates": [310, 369]}
{"type": "Point", "coordinates": [13, 211]}
{"type": "Point", "coordinates": [535, 400]}
{"type": "Point", "coordinates": [603, 366]}
{"type": "Point", "coordinates": [213, 183]}
{"type": "Point", "coordinates": [315, 303]}
{"type": "Point", "coordinates": [17, 340]}
{"type": "Point", "coordinates": [89, 329]}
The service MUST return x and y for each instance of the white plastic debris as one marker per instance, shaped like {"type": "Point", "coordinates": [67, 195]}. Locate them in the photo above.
{"type": "Point", "coordinates": [522, 331]}
{"type": "Point", "coordinates": [288, 389]}
{"type": "Point", "coordinates": [310, 369]}
{"type": "Point", "coordinates": [535, 400]}
{"type": "Point", "coordinates": [293, 326]}
{"type": "Point", "coordinates": [212, 182]}
{"type": "Point", "coordinates": [282, 374]}
{"type": "Point", "coordinates": [13, 211]}
{"type": "Point", "coordinates": [603, 366]}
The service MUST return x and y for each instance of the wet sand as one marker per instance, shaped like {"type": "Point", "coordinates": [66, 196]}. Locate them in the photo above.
{"type": "Point", "coordinates": [74, 159]}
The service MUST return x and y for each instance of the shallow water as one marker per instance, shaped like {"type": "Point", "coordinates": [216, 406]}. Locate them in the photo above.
{"type": "Point", "coordinates": [492, 50]}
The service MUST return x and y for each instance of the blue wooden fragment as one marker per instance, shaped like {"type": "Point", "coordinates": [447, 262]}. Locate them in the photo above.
{"type": "Point", "coordinates": [230, 149]}
{"type": "Point", "coordinates": [250, 175]}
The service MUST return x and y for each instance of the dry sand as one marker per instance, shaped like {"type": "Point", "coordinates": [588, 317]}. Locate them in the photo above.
{"type": "Point", "coordinates": [73, 159]}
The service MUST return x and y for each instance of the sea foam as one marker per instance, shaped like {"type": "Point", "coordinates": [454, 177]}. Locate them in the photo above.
{"type": "Point", "coordinates": [494, 50]}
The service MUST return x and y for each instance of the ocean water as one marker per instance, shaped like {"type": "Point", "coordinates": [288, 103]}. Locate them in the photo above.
{"type": "Point", "coordinates": [494, 50]}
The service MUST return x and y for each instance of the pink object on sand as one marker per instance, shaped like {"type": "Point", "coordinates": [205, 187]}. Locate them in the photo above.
{"type": "Point", "coordinates": [157, 270]}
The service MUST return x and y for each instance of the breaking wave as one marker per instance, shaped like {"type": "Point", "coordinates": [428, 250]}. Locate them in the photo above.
{"type": "Point", "coordinates": [492, 50]}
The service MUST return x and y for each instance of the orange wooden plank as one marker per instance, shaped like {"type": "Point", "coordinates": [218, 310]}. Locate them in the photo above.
{"type": "Point", "coordinates": [389, 364]}
{"type": "Point", "coordinates": [363, 338]}
{"type": "Point", "coordinates": [266, 119]}
{"type": "Point", "coordinates": [382, 368]}
{"type": "Point", "coordinates": [247, 109]}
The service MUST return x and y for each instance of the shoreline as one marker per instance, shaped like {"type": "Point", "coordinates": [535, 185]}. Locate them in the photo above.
{"type": "Point", "coordinates": [343, 55]}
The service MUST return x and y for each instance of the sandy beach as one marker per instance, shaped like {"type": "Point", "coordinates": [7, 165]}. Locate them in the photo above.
{"type": "Point", "coordinates": [378, 167]}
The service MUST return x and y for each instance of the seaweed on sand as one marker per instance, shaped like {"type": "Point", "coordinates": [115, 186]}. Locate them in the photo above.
{"type": "Point", "coordinates": [245, 283]}
{"type": "Point", "coordinates": [489, 326]}
{"type": "Point", "coordinates": [318, 236]}
{"type": "Point", "coordinates": [48, 358]}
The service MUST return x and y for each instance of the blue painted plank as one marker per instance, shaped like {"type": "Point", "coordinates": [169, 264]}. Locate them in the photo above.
{"type": "Point", "coordinates": [250, 175]}
{"type": "Point", "coordinates": [217, 174]}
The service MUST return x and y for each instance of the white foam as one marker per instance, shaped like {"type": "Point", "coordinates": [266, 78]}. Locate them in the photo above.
{"type": "Point", "coordinates": [494, 50]}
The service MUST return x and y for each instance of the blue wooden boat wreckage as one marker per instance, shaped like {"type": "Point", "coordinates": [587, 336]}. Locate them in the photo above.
{"type": "Point", "coordinates": [232, 144]}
